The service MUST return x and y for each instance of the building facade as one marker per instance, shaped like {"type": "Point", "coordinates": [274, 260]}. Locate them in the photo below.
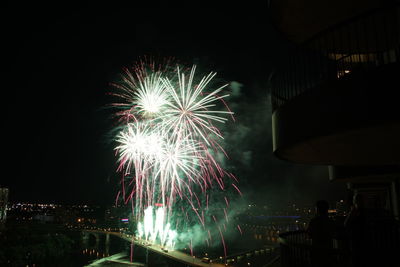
{"type": "Point", "coordinates": [3, 205]}
{"type": "Point", "coordinates": [335, 102]}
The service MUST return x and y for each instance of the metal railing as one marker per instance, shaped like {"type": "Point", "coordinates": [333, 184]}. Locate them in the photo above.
{"type": "Point", "coordinates": [296, 251]}
{"type": "Point", "coordinates": [357, 45]}
{"type": "Point", "coordinates": [380, 242]}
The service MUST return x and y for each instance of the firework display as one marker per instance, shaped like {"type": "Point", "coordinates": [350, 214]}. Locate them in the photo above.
{"type": "Point", "coordinates": [167, 150]}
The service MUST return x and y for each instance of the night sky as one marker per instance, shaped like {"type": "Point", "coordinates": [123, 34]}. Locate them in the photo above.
{"type": "Point", "coordinates": [59, 60]}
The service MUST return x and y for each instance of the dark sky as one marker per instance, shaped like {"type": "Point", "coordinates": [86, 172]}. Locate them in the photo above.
{"type": "Point", "coordinates": [60, 58]}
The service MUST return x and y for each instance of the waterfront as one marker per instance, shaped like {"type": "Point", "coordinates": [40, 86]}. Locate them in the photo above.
{"type": "Point", "coordinates": [92, 239]}
{"type": "Point", "coordinates": [44, 244]}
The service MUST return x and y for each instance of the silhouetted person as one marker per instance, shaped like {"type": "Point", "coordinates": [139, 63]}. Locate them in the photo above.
{"type": "Point", "coordinates": [355, 225]}
{"type": "Point", "coordinates": [321, 230]}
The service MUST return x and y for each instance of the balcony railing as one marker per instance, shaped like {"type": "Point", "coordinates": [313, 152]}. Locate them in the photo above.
{"type": "Point", "coordinates": [360, 44]}
{"type": "Point", "coordinates": [381, 238]}
{"type": "Point", "coordinates": [296, 251]}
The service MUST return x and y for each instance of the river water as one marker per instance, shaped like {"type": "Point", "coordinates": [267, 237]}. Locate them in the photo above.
{"type": "Point", "coordinates": [88, 248]}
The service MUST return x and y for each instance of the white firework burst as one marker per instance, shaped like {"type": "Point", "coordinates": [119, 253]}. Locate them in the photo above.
{"type": "Point", "coordinates": [192, 110]}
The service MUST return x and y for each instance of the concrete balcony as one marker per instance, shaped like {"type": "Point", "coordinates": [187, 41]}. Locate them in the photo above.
{"type": "Point", "coordinates": [296, 19]}
{"type": "Point", "coordinates": [334, 100]}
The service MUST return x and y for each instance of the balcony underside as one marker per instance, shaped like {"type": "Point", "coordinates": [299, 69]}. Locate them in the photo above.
{"type": "Point", "coordinates": [296, 19]}
{"type": "Point", "coordinates": [351, 121]}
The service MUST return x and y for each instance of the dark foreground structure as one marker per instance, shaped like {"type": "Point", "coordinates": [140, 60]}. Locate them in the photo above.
{"type": "Point", "coordinates": [335, 103]}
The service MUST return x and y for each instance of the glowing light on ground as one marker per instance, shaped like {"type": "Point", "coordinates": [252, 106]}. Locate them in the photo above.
{"type": "Point", "coordinates": [155, 229]}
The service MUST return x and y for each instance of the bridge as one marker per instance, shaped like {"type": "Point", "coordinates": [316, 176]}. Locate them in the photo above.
{"type": "Point", "coordinates": [172, 254]}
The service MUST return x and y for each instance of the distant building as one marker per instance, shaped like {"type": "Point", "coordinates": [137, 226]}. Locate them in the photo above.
{"type": "Point", "coordinates": [3, 204]}
{"type": "Point", "coordinates": [44, 218]}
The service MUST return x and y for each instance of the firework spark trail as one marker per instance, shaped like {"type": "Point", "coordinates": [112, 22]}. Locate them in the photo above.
{"type": "Point", "coordinates": [227, 202]}
{"type": "Point", "coordinates": [237, 189]}
{"type": "Point", "coordinates": [240, 229]}
{"type": "Point", "coordinates": [226, 215]}
{"type": "Point", "coordinates": [168, 141]}
{"type": "Point", "coordinates": [223, 240]}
